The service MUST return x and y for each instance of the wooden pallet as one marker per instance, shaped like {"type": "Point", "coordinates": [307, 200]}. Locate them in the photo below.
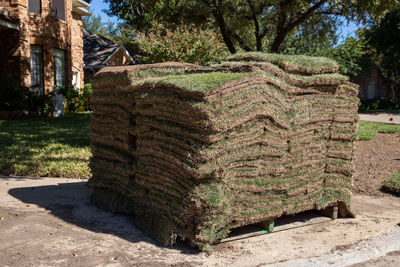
{"type": "Point", "coordinates": [283, 223]}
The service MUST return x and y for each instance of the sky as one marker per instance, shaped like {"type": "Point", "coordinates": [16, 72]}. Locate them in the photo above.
{"type": "Point", "coordinates": [97, 7]}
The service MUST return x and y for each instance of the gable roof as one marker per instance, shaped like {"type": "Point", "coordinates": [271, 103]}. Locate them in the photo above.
{"type": "Point", "coordinates": [98, 50]}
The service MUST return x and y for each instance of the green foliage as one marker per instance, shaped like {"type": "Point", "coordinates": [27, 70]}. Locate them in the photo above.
{"type": "Point", "coordinates": [252, 25]}
{"type": "Point", "coordinates": [13, 97]}
{"type": "Point", "coordinates": [16, 97]}
{"type": "Point", "coordinates": [184, 44]}
{"type": "Point", "coordinates": [95, 25]}
{"type": "Point", "coordinates": [349, 56]}
{"type": "Point", "coordinates": [77, 99]}
{"type": "Point", "coordinates": [120, 33]}
{"type": "Point", "coordinates": [384, 39]}
{"type": "Point", "coordinates": [367, 130]}
{"type": "Point", "coordinates": [56, 147]}
{"type": "Point", "coordinates": [393, 183]}
{"type": "Point", "coordinates": [380, 104]}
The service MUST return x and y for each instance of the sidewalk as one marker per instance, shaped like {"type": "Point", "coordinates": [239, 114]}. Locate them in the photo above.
{"type": "Point", "coordinates": [382, 117]}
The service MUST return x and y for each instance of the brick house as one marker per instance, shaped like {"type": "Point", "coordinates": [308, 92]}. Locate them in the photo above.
{"type": "Point", "coordinates": [374, 86]}
{"type": "Point", "coordinates": [41, 42]}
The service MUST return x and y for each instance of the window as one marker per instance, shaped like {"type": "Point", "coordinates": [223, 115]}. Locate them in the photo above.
{"type": "Point", "coordinates": [371, 90]}
{"type": "Point", "coordinates": [58, 9]}
{"type": "Point", "coordinates": [60, 78]}
{"type": "Point", "coordinates": [35, 6]}
{"type": "Point", "coordinates": [37, 69]}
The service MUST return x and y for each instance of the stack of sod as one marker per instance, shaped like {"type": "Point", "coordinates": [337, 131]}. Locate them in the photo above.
{"type": "Point", "coordinates": [194, 152]}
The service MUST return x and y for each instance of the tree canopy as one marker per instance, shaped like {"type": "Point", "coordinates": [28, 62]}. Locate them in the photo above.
{"type": "Point", "coordinates": [384, 40]}
{"type": "Point", "coordinates": [121, 32]}
{"type": "Point", "coordinates": [252, 25]}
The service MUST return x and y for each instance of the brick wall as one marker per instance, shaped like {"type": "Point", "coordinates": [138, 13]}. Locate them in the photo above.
{"type": "Point", "coordinates": [383, 89]}
{"type": "Point", "coordinates": [49, 32]}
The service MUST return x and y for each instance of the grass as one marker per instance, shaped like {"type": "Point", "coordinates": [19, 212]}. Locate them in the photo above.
{"type": "Point", "coordinates": [203, 82]}
{"type": "Point", "coordinates": [367, 130]}
{"type": "Point", "coordinates": [393, 184]}
{"type": "Point", "coordinates": [56, 147]}
{"type": "Point", "coordinates": [310, 64]}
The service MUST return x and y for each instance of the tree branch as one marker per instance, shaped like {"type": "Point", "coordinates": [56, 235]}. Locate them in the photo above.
{"type": "Point", "coordinates": [283, 30]}
{"type": "Point", "coordinates": [306, 15]}
{"type": "Point", "coordinates": [241, 42]}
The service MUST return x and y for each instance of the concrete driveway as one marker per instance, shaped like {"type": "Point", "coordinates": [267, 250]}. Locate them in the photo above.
{"type": "Point", "coordinates": [381, 117]}
{"type": "Point", "coordinates": [51, 222]}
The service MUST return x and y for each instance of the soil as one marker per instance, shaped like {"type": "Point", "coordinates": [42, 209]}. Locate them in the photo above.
{"type": "Point", "coordinates": [375, 162]}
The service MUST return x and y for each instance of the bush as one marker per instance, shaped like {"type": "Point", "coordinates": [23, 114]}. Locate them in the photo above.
{"type": "Point", "coordinates": [184, 44]}
{"type": "Point", "coordinates": [76, 99]}
{"type": "Point", "coordinates": [381, 104]}
{"type": "Point", "coordinates": [15, 97]}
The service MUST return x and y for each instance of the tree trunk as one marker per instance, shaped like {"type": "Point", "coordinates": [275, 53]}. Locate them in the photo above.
{"type": "Point", "coordinates": [224, 31]}
{"type": "Point", "coordinates": [276, 45]}
{"type": "Point", "coordinates": [256, 26]}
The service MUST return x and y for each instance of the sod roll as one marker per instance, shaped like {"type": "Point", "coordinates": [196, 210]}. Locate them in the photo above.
{"type": "Point", "coordinates": [196, 151]}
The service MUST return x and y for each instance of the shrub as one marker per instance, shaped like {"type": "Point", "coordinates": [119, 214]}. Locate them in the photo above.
{"type": "Point", "coordinates": [15, 97]}
{"type": "Point", "coordinates": [184, 44]}
{"type": "Point", "coordinates": [76, 99]}
{"type": "Point", "coordinates": [372, 105]}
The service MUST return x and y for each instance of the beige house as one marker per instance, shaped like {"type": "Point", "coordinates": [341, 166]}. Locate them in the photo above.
{"type": "Point", "coordinates": [41, 42]}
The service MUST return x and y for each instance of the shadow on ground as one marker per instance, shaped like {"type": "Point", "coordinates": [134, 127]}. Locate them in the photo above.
{"type": "Point", "coordinates": [71, 203]}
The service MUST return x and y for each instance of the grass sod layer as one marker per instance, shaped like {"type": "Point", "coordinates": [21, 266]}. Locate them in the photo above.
{"type": "Point", "coordinates": [393, 183]}
{"type": "Point", "coordinates": [196, 151]}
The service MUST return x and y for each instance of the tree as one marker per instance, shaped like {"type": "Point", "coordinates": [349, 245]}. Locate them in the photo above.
{"type": "Point", "coordinates": [120, 33]}
{"type": "Point", "coordinates": [261, 25]}
{"type": "Point", "coordinates": [384, 39]}
{"type": "Point", "coordinates": [95, 25]}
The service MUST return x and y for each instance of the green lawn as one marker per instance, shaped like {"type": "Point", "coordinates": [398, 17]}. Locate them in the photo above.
{"type": "Point", "coordinates": [367, 130]}
{"type": "Point", "coordinates": [57, 147]}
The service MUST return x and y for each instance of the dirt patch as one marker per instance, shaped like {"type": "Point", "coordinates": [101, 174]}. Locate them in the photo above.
{"type": "Point", "coordinates": [51, 222]}
{"type": "Point", "coordinates": [375, 162]}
